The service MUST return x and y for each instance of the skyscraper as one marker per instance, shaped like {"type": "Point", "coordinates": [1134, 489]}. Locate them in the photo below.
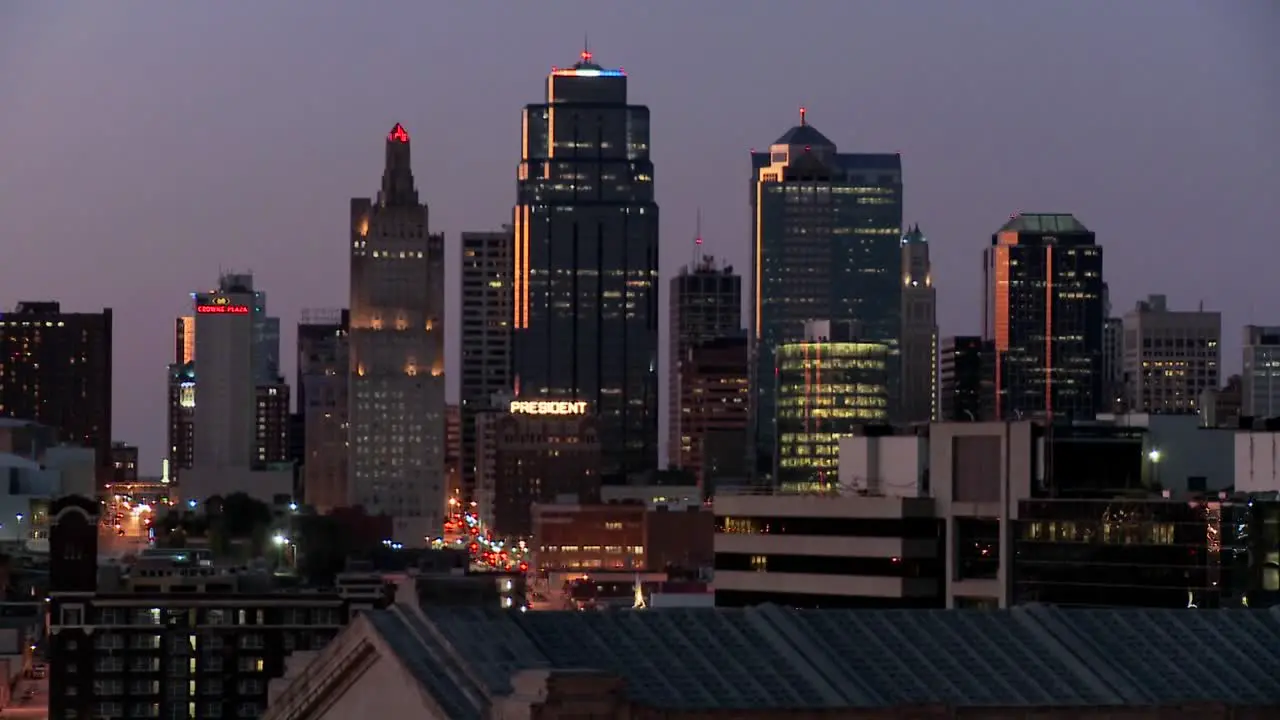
{"type": "Point", "coordinates": [55, 369]}
{"type": "Point", "coordinates": [487, 267]}
{"type": "Point", "coordinates": [236, 447]}
{"type": "Point", "coordinates": [919, 332]}
{"type": "Point", "coordinates": [586, 259]}
{"type": "Point", "coordinates": [1044, 310]}
{"type": "Point", "coordinates": [321, 389]}
{"type": "Point", "coordinates": [396, 394]}
{"type": "Point", "coordinates": [826, 245]}
{"type": "Point", "coordinates": [705, 305]}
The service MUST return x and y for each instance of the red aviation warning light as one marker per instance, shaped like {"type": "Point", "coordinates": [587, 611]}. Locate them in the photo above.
{"type": "Point", "coordinates": [398, 134]}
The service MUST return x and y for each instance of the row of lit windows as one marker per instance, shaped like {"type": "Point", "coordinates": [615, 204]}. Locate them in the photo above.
{"type": "Point", "coordinates": [611, 549]}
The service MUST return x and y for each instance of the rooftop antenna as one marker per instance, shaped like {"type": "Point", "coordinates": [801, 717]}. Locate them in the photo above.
{"type": "Point", "coordinates": [803, 112]}
{"type": "Point", "coordinates": [697, 239]}
{"type": "Point", "coordinates": [586, 48]}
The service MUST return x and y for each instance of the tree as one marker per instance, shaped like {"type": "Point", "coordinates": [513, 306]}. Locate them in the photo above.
{"type": "Point", "coordinates": [243, 517]}
{"type": "Point", "coordinates": [322, 548]}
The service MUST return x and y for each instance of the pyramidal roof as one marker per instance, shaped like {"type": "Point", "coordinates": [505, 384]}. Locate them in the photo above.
{"type": "Point", "coordinates": [1044, 223]}
{"type": "Point", "coordinates": [804, 135]}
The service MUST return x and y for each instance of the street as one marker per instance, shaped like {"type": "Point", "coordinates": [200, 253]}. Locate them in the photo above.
{"type": "Point", "coordinates": [30, 700]}
{"type": "Point", "coordinates": [120, 515]}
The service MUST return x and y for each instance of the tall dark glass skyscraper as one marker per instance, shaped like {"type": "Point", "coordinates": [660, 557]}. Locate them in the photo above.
{"type": "Point", "coordinates": [826, 245]}
{"type": "Point", "coordinates": [1044, 312]}
{"type": "Point", "coordinates": [586, 259]}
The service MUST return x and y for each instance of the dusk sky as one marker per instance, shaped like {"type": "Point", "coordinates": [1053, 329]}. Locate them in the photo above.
{"type": "Point", "coordinates": [146, 145]}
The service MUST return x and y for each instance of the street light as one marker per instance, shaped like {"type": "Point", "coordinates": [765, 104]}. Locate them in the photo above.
{"type": "Point", "coordinates": [1154, 457]}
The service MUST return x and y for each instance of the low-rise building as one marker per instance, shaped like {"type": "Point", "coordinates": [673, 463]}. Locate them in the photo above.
{"type": "Point", "coordinates": [827, 550]}
{"type": "Point", "coordinates": [174, 635]}
{"type": "Point", "coordinates": [771, 662]}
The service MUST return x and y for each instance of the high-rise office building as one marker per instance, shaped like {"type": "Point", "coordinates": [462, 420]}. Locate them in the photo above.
{"type": "Point", "coordinates": [715, 396]}
{"type": "Point", "coordinates": [1113, 364]}
{"type": "Point", "coordinates": [705, 305]}
{"type": "Point", "coordinates": [966, 375]}
{"type": "Point", "coordinates": [321, 390]}
{"type": "Point", "coordinates": [182, 419]}
{"type": "Point", "coordinates": [919, 343]}
{"type": "Point", "coordinates": [55, 369]}
{"type": "Point", "coordinates": [829, 384]}
{"type": "Point", "coordinates": [586, 259]}
{"type": "Point", "coordinates": [396, 394]}
{"type": "Point", "coordinates": [271, 424]}
{"type": "Point", "coordinates": [184, 340]}
{"type": "Point", "coordinates": [826, 245]}
{"type": "Point", "coordinates": [236, 448]}
{"type": "Point", "coordinates": [1260, 376]}
{"type": "Point", "coordinates": [182, 399]}
{"type": "Point", "coordinates": [1044, 311]}
{"type": "Point", "coordinates": [488, 261]}
{"type": "Point", "coordinates": [1171, 357]}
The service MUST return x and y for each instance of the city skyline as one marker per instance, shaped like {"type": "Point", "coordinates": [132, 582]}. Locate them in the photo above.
{"type": "Point", "coordinates": [176, 190]}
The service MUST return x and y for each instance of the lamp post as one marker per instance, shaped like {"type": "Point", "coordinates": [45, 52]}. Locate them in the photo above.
{"type": "Point", "coordinates": [1154, 457]}
{"type": "Point", "coordinates": [282, 543]}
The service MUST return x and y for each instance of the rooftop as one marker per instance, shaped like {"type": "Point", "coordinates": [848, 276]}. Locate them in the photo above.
{"type": "Point", "coordinates": [769, 657]}
{"type": "Point", "coordinates": [1044, 223]}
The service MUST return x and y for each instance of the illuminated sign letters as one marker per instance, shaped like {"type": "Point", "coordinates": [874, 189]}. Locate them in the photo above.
{"type": "Point", "coordinates": [549, 407]}
{"type": "Point", "coordinates": [222, 309]}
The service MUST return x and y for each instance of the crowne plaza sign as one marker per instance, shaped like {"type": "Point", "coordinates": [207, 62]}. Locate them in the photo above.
{"type": "Point", "coordinates": [548, 407]}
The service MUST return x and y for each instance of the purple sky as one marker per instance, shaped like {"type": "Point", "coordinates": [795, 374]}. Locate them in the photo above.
{"type": "Point", "coordinates": [145, 145]}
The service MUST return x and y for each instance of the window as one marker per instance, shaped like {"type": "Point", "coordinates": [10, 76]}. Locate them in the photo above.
{"type": "Point", "coordinates": [72, 615]}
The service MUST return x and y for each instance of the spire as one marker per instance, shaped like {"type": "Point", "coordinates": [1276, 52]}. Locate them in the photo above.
{"type": "Point", "coordinates": [803, 112]}
{"type": "Point", "coordinates": [397, 174]}
{"type": "Point", "coordinates": [586, 48]}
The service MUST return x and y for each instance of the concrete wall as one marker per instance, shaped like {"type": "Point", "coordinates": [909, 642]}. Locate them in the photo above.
{"type": "Point", "coordinates": [895, 466]}
{"type": "Point", "coordinates": [1257, 461]}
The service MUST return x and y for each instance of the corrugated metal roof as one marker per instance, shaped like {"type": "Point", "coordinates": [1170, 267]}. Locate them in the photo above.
{"type": "Point", "coordinates": [771, 657]}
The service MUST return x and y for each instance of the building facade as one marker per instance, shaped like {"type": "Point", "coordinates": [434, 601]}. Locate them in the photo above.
{"type": "Point", "coordinates": [1260, 376]}
{"type": "Point", "coordinates": [966, 376]}
{"type": "Point", "coordinates": [1113, 350]}
{"type": "Point", "coordinates": [396, 429]}
{"type": "Point", "coordinates": [715, 402]}
{"type": "Point", "coordinates": [1170, 357]}
{"type": "Point", "coordinates": [1044, 311]}
{"type": "Point", "coordinates": [536, 458]}
{"type": "Point", "coordinates": [919, 339]}
{"type": "Point", "coordinates": [171, 638]}
{"type": "Point", "coordinates": [55, 369]}
{"type": "Point", "coordinates": [705, 305]}
{"type": "Point", "coordinates": [488, 266]}
{"type": "Point", "coordinates": [239, 417]}
{"type": "Point", "coordinates": [322, 402]}
{"type": "Point", "coordinates": [182, 419]}
{"type": "Point", "coordinates": [829, 384]}
{"type": "Point", "coordinates": [272, 425]}
{"type": "Point", "coordinates": [826, 244]}
{"type": "Point", "coordinates": [810, 551]}
{"type": "Point", "coordinates": [586, 259]}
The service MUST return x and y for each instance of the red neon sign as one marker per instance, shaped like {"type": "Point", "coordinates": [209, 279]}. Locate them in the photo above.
{"type": "Point", "coordinates": [222, 309]}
